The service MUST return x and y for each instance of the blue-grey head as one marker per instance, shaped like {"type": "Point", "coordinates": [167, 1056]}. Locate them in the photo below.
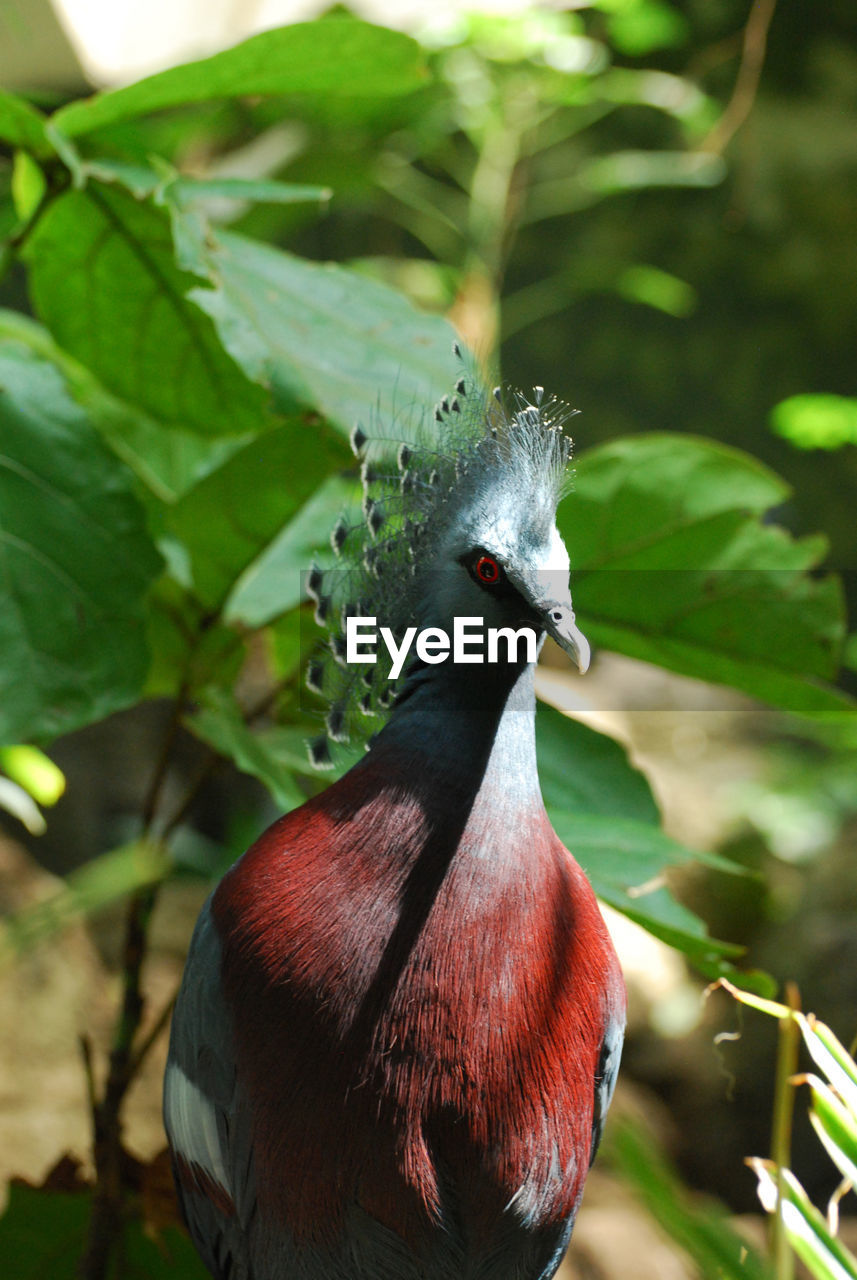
{"type": "Point", "coordinates": [458, 522]}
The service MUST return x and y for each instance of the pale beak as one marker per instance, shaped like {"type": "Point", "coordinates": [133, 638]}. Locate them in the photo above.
{"type": "Point", "coordinates": [560, 623]}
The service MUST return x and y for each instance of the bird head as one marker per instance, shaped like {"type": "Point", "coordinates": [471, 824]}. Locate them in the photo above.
{"type": "Point", "coordinates": [458, 522]}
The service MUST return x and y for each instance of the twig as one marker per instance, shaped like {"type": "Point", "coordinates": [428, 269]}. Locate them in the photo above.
{"type": "Point", "coordinates": [747, 83]}
{"type": "Point", "coordinates": [85, 1045]}
{"type": "Point", "coordinates": [105, 1223]}
{"type": "Point", "coordinates": [158, 1026]}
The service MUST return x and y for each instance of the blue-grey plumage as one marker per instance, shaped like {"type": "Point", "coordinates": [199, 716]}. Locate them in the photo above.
{"type": "Point", "coordinates": [401, 1017]}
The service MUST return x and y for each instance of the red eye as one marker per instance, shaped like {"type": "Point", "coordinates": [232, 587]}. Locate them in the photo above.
{"type": "Point", "coordinates": [487, 570]}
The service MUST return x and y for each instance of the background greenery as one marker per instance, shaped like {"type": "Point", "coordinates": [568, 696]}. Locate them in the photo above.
{"type": "Point", "coordinates": [618, 203]}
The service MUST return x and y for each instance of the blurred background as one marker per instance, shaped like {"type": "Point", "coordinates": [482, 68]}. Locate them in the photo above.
{"type": "Point", "coordinates": [665, 239]}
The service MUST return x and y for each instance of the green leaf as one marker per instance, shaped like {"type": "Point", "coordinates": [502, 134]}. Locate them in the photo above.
{"type": "Point", "coordinates": [93, 886]}
{"type": "Point", "coordinates": [587, 772]}
{"type": "Point", "coordinates": [219, 722]}
{"type": "Point", "coordinates": [190, 650]}
{"type": "Point", "coordinates": [658, 289]}
{"type": "Point", "coordinates": [104, 280]}
{"type": "Point", "coordinates": [229, 517]}
{"type": "Point", "coordinates": [31, 769]}
{"type": "Point", "coordinates": [75, 561]}
{"type": "Point", "coordinates": [258, 190]}
{"type": "Point", "coordinates": [28, 185]}
{"type": "Point", "coordinates": [836, 1126]}
{"type": "Point", "coordinates": [165, 459]}
{"type": "Point", "coordinates": [625, 862]}
{"type": "Point", "coordinates": [319, 334]}
{"type": "Point", "coordinates": [343, 57]}
{"type": "Point", "coordinates": [168, 184]}
{"type": "Point", "coordinates": [641, 28]}
{"type": "Point", "coordinates": [673, 566]}
{"type": "Point", "coordinates": [831, 1057]}
{"type": "Point", "coordinates": [816, 421]}
{"type": "Point", "coordinates": [636, 170]}
{"type": "Point", "coordinates": [603, 809]}
{"type": "Point", "coordinates": [22, 125]}
{"type": "Point", "coordinates": [273, 584]}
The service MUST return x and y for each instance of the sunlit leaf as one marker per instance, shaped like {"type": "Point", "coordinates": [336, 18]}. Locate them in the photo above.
{"type": "Point", "coordinates": [658, 289]}
{"type": "Point", "coordinates": [344, 57]}
{"type": "Point", "coordinates": [674, 565]}
{"type": "Point", "coordinates": [104, 280]}
{"type": "Point", "coordinates": [836, 1126]}
{"type": "Point", "coordinates": [641, 28]}
{"type": "Point", "coordinates": [28, 185]}
{"type": "Point", "coordinates": [811, 1238]}
{"type": "Point", "coordinates": [816, 421]}
{"type": "Point", "coordinates": [626, 862]}
{"type": "Point", "coordinates": [34, 771]}
{"type": "Point", "coordinates": [318, 334]}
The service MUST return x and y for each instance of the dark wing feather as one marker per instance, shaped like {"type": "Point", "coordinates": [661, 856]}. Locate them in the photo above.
{"type": "Point", "coordinates": [605, 1080]}
{"type": "Point", "coordinates": [206, 1121]}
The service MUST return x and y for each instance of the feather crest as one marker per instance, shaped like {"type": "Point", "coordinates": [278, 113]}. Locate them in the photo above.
{"type": "Point", "coordinates": [481, 451]}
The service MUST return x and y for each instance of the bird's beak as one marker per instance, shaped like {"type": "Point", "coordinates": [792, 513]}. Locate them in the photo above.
{"type": "Point", "coordinates": [548, 595]}
{"type": "Point", "coordinates": [560, 623]}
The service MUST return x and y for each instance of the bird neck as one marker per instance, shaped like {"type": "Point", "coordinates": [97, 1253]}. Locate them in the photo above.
{"type": "Point", "coordinates": [469, 728]}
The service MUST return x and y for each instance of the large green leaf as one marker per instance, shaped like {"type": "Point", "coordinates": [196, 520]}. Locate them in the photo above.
{"type": "Point", "coordinates": [167, 460]}
{"type": "Point", "coordinates": [344, 57]}
{"type": "Point", "coordinates": [319, 334]}
{"type": "Point", "coordinates": [227, 519]}
{"type": "Point", "coordinates": [104, 280]}
{"type": "Point", "coordinates": [75, 561]}
{"type": "Point", "coordinates": [588, 772]}
{"type": "Point", "coordinates": [625, 862]}
{"type": "Point", "coordinates": [603, 809]}
{"type": "Point", "coordinates": [674, 565]}
{"type": "Point", "coordinates": [272, 584]}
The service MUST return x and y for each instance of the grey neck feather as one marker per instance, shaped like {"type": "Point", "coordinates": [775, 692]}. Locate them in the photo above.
{"type": "Point", "coordinates": [454, 720]}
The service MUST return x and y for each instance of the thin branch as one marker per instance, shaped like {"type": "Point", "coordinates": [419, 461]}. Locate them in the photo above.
{"type": "Point", "coordinates": [153, 1035]}
{"type": "Point", "coordinates": [749, 74]}
{"type": "Point", "coordinates": [85, 1045]}
{"type": "Point", "coordinates": [105, 1223]}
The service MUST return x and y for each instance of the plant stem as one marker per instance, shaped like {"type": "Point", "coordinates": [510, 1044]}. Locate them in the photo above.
{"type": "Point", "coordinates": [105, 1224]}
{"type": "Point", "coordinates": [781, 1138]}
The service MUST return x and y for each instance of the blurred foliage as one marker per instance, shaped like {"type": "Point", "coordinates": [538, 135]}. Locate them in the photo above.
{"type": "Point", "coordinates": [175, 418]}
{"type": "Point", "coordinates": [700, 1226]}
{"type": "Point", "coordinates": [816, 421]}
